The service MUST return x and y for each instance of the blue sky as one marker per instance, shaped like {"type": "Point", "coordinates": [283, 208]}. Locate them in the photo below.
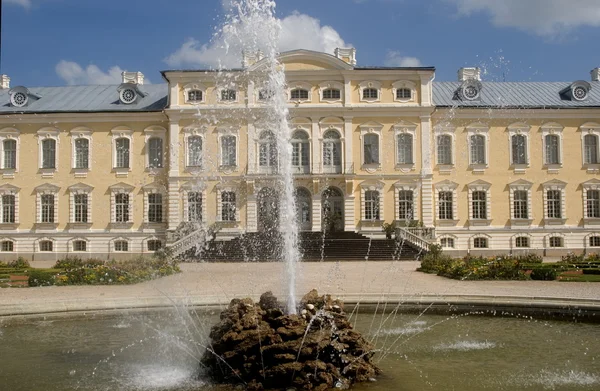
{"type": "Point", "coordinates": [59, 42]}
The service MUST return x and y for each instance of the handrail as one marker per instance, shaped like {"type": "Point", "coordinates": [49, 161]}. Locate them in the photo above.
{"type": "Point", "coordinates": [187, 242]}
{"type": "Point", "coordinates": [423, 232]}
{"type": "Point", "coordinates": [405, 234]}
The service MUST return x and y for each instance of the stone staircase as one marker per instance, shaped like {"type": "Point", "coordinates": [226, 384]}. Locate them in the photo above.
{"type": "Point", "coordinates": [314, 246]}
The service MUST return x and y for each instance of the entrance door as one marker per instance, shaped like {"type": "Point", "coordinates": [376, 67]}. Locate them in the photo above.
{"type": "Point", "coordinates": [268, 210]}
{"type": "Point", "coordinates": [332, 202]}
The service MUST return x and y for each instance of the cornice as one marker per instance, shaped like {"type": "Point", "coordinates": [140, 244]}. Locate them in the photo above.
{"type": "Point", "coordinates": [441, 113]}
{"type": "Point", "coordinates": [20, 119]}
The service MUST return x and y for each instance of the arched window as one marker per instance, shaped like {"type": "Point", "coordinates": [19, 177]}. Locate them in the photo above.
{"type": "Point", "coordinates": [371, 205]}
{"type": "Point", "coordinates": [405, 149]}
{"type": "Point", "coordinates": [590, 146]}
{"type": "Point", "coordinates": [405, 205]}
{"type": "Point", "coordinates": [519, 149]}
{"type": "Point", "coordinates": [194, 144]}
{"type": "Point", "coordinates": [332, 146]}
{"type": "Point", "coordinates": [480, 243]}
{"type": "Point", "coordinates": [155, 152]}
{"type": "Point", "coordinates": [478, 149]}
{"type": "Point", "coordinates": [154, 245]}
{"type": "Point", "coordinates": [267, 150]}
{"type": "Point", "coordinates": [555, 241]}
{"type": "Point", "coordinates": [444, 149]}
{"type": "Point", "coordinates": [594, 241]}
{"type": "Point", "coordinates": [299, 93]}
{"type": "Point", "coordinates": [332, 94]}
{"type": "Point", "coordinates": [195, 96]}
{"type": "Point", "coordinates": [371, 148]}
{"type": "Point", "coordinates": [370, 93]}
{"type": "Point", "coordinates": [552, 149]}
{"type": "Point", "coordinates": [447, 242]}
{"type": "Point", "coordinates": [49, 153]}
{"type": "Point", "coordinates": [7, 246]}
{"type": "Point", "coordinates": [300, 149]}
{"type": "Point", "coordinates": [403, 93]}
{"type": "Point", "coordinates": [228, 95]}
{"type": "Point", "coordinates": [194, 206]}
{"type": "Point", "coordinates": [228, 151]}
{"type": "Point", "coordinates": [122, 151]}
{"type": "Point", "coordinates": [121, 245]}
{"type": "Point", "coordinates": [522, 242]}
{"type": "Point", "coordinates": [10, 154]}
{"type": "Point", "coordinates": [79, 245]}
{"type": "Point", "coordinates": [303, 205]}
{"type": "Point", "coordinates": [46, 245]}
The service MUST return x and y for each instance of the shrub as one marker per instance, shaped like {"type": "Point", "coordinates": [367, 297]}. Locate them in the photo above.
{"type": "Point", "coordinates": [530, 258]}
{"type": "Point", "coordinates": [76, 262]}
{"type": "Point", "coordinates": [591, 271]}
{"type": "Point", "coordinates": [434, 260]}
{"type": "Point", "coordinates": [19, 263]}
{"type": "Point", "coordinates": [41, 278]}
{"type": "Point", "coordinates": [572, 258]}
{"type": "Point", "coordinates": [543, 273]}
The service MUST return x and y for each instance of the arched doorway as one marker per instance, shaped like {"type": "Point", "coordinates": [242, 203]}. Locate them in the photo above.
{"type": "Point", "coordinates": [268, 210]}
{"type": "Point", "coordinates": [303, 208]}
{"type": "Point", "coordinates": [332, 203]}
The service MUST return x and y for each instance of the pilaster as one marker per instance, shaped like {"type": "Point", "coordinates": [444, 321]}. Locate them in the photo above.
{"type": "Point", "coordinates": [348, 151]}
{"type": "Point", "coordinates": [251, 148]}
{"type": "Point", "coordinates": [174, 213]}
{"type": "Point", "coordinates": [426, 172]}
{"type": "Point", "coordinates": [349, 215]}
{"type": "Point", "coordinates": [316, 147]}
{"type": "Point", "coordinates": [316, 213]}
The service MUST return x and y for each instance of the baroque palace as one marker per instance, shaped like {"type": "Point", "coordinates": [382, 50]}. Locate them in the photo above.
{"type": "Point", "coordinates": [489, 167]}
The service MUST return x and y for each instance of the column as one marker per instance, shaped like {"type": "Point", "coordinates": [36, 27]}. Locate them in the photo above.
{"type": "Point", "coordinates": [349, 224]}
{"type": "Point", "coordinates": [174, 214]}
{"type": "Point", "coordinates": [426, 173]}
{"type": "Point", "coordinates": [348, 151]}
{"type": "Point", "coordinates": [251, 208]}
{"type": "Point", "coordinates": [316, 213]}
{"type": "Point", "coordinates": [316, 148]}
{"type": "Point", "coordinates": [251, 148]}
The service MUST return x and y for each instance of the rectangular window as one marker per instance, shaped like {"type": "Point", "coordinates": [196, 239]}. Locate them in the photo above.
{"type": "Point", "coordinates": [594, 241]}
{"type": "Point", "coordinates": [122, 151]}
{"type": "Point", "coordinates": [445, 205]}
{"type": "Point", "coordinates": [370, 93]}
{"type": "Point", "coordinates": [299, 93]}
{"type": "Point", "coordinates": [554, 204]}
{"type": "Point", "coordinates": [8, 208]}
{"type": "Point", "coordinates": [228, 206]}
{"type": "Point", "coordinates": [195, 206]}
{"type": "Point", "coordinates": [331, 93]}
{"type": "Point", "coordinates": [522, 242]}
{"type": "Point", "coordinates": [519, 149]}
{"type": "Point", "coordinates": [82, 153]}
{"type": "Point", "coordinates": [121, 245]}
{"type": "Point", "coordinates": [46, 245]}
{"type": "Point", "coordinates": [155, 208]}
{"type": "Point", "coordinates": [10, 154]}
{"type": "Point", "coordinates": [49, 153]}
{"type": "Point", "coordinates": [478, 149]}
{"type": "Point", "coordinates": [154, 245]}
{"type": "Point", "coordinates": [593, 203]}
{"type": "Point", "coordinates": [405, 205]}
{"type": "Point", "coordinates": [122, 208]}
{"type": "Point", "coordinates": [480, 243]}
{"type": "Point", "coordinates": [371, 149]}
{"type": "Point", "coordinates": [228, 95]}
{"type": "Point", "coordinates": [228, 151]}
{"type": "Point", "coordinates": [405, 150]}
{"type": "Point", "coordinates": [444, 149]}
{"type": "Point", "coordinates": [81, 208]}
{"type": "Point", "coordinates": [7, 246]}
{"type": "Point", "coordinates": [556, 241]}
{"type": "Point", "coordinates": [195, 151]}
{"type": "Point", "coordinates": [552, 149]}
{"type": "Point", "coordinates": [79, 245]}
{"type": "Point", "coordinates": [155, 152]}
{"type": "Point", "coordinates": [590, 143]}
{"type": "Point", "coordinates": [47, 202]}
{"type": "Point", "coordinates": [520, 206]}
{"type": "Point", "coordinates": [371, 205]}
{"type": "Point", "coordinates": [479, 205]}
{"type": "Point", "coordinates": [447, 242]}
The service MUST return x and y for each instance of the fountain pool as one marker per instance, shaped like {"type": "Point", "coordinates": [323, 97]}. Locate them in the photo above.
{"type": "Point", "coordinates": [159, 351]}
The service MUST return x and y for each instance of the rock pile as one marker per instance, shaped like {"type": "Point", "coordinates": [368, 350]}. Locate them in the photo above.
{"type": "Point", "coordinates": [258, 345]}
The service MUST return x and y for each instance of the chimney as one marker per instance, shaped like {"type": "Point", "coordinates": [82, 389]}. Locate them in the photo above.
{"type": "Point", "coordinates": [133, 77]}
{"type": "Point", "coordinates": [469, 73]}
{"type": "Point", "coordinates": [347, 55]}
{"type": "Point", "coordinates": [249, 58]}
{"type": "Point", "coordinates": [4, 82]}
{"type": "Point", "coordinates": [595, 74]}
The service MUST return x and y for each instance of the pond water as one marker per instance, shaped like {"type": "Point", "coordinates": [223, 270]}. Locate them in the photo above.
{"type": "Point", "coordinates": [159, 351]}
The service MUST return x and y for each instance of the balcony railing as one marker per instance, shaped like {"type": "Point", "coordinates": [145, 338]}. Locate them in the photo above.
{"type": "Point", "coordinates": [345, 169]}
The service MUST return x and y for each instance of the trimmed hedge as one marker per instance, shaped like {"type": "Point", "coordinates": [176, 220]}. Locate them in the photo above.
{"type": "Point", "coordinates": [591, 271]}
{"type": "Point", "coordinates": [543, 274]}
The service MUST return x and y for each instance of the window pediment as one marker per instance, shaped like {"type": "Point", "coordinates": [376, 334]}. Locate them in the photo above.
{"type": "Point", "coordinates": [479, 185]}
{"type": "Point", "coordinates": [121, 187]}
{"type": "Point", "coordinates": [47, 188]}
{"type": "Point", "coordinates": [592, 184]}
{"type": "Point", "coordinates": [7, 188]}
{"type": "Point", "coordinates": [446, 185]}
{"type": "Point", "coordinates": [80, 187]}
{"type": "Point", "coordinates": [554, 184]}
{"type": "Point", "coordinates": [372, 185]}
{"type": "Point", "coordinates": [521, 184]}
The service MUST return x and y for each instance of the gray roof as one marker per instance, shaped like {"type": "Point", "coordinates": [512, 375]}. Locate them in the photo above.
{"type": "Point", "coordinates": [514, 95]}
{"type": "Point", "coordinates": [82, 99]}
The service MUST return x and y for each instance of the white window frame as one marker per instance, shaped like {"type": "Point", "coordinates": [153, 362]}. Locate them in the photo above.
{"type": "Point", "coordinates": [272, 165]}
{"type": "Point", "coordinates": [79, 239]}
{"type": "Point", "coordinates": [152, 239]}
{"type": "Point", "coordinates": [409, 128]}
{"type": "Point", "coordinates": [332, 168]}
{"type": "Point", "coordinates": [520, 185]}
{"type": "Point", "coordinates": [80, 189]}
{"type": "Point", "coordinates": [225, 132]}
{"type": "Point", "coordinates": [48, 134]}
{"type": "Point", "coordinates": [371, 186]}
{"type": "Point", "coordinates": [331, 85]}
{"type": "Point", "coordinates": [557, 185]}
{"type": "Point", "coordinates": [11, 240]}
{"type": "Point", "coordinates": [117, 133]}
{"type": "Point", "coordinates": [154, 188]}
{"type": "Point", "coordinates": [513, 241]}
{"type": "Point", "coordinates": [446, 238]}
{"type": "Point", "coordinates": [482, 186]}
{"type": "Point", "coordinates": [78, 133]}
{"type": "Point", "coordinates": [519, 129]}
{"type": "Point", "coordinates": [408, 85]}
{"type": "Point", "coordinates": [592, 184]}
{"type": "Point", "coordinates": [121, 188]}
{"type": "Point", "coordinates": [228, 102]}
{"type": "Point", "coordinates": [593, 129]}
{"type": "Point", "coordinates": [47, 189]}
{"type": "Point", "coordinates": [191, 188]}
{"type": "Point", "coordinates": [586, 240]}
{"type": "Point", "coordinates": [487, 239]}
{"type": "Point", "coordinates": [304, 168]}
{"type": "Point", "coordinates": [478, 129]}
{"type": "Point", "coordinates": [113, 248]}
{"type": "Point", "coordinates": [371, 128]}
{"type": "Point", "coordinates": [228, 188]}
{"type": "Point", "coordinates": [194, 87]}
{"type": "Point", "coordinates": [155, 132]}
{"type": "Point", "coordinates": [9, 134]}
{"type": "Point", "coordinates": [562, 236]}
{"type": "Point", "coordinates": [552, 129]}
{"type": "Point", "coordinates": [446, 186]}
{"type": "Point", "coordinates": [400, 186]}
{"type": "Point", "coordinates": [448, 131]}
{"type": "Point", "coordinates": [38, 247]}
{"type": "Point", "coordinates": [300, 85]}
{"type": "Point", "coordinates": [369, 84]}
{"type": "Point", "coordinates": [194, 131]}
{"type": "Point", "coordinates": [8, 189]}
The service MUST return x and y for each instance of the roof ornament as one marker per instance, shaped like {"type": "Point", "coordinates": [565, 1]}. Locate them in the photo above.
{"type": "Point", "coordinates": [577, 91]}
{"type": "Point", "coordinates": [347, 55]}
{"type": "Point", "coordinates": [471, 86]}
{"type": "Point", "coordinates": [20, 96]}
{"type": "Point", "coordinates": [129, 90]}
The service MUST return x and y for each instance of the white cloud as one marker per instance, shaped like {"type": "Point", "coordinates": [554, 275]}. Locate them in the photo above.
{"type": "Point", "coordinates": [395, 59]}
{"type": "Point", "coordinates": [73, 74]}
{"type": "Point", "coordinates": [298, 31]}
{"type": "Point", "coordinates": [548, 18]}
{"type": "Point", "coordinates": [23, 3]}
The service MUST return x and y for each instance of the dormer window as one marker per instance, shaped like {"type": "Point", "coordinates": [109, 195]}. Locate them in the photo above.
{"type": "Point", "coordinates": [332, 93]}
{"type": "Point", "coordinates": [195, 96]}
{"type": "Point", "coordinates": [370, 93]}
{"type": "Point", "coordinates": [299, 93]}
{"type": "Point", "coordinates": [20, 96]}
{"type": "Point", "coordinates": [228, 95]}
{"type": "Point", "coordinates": [18, 99]}
{"type": "Point", "coordinates": [577, 91]}
{"type": "Point", "coordinates": [127, 95]}
{"type": "Point", "coordinates": [403, 93]}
